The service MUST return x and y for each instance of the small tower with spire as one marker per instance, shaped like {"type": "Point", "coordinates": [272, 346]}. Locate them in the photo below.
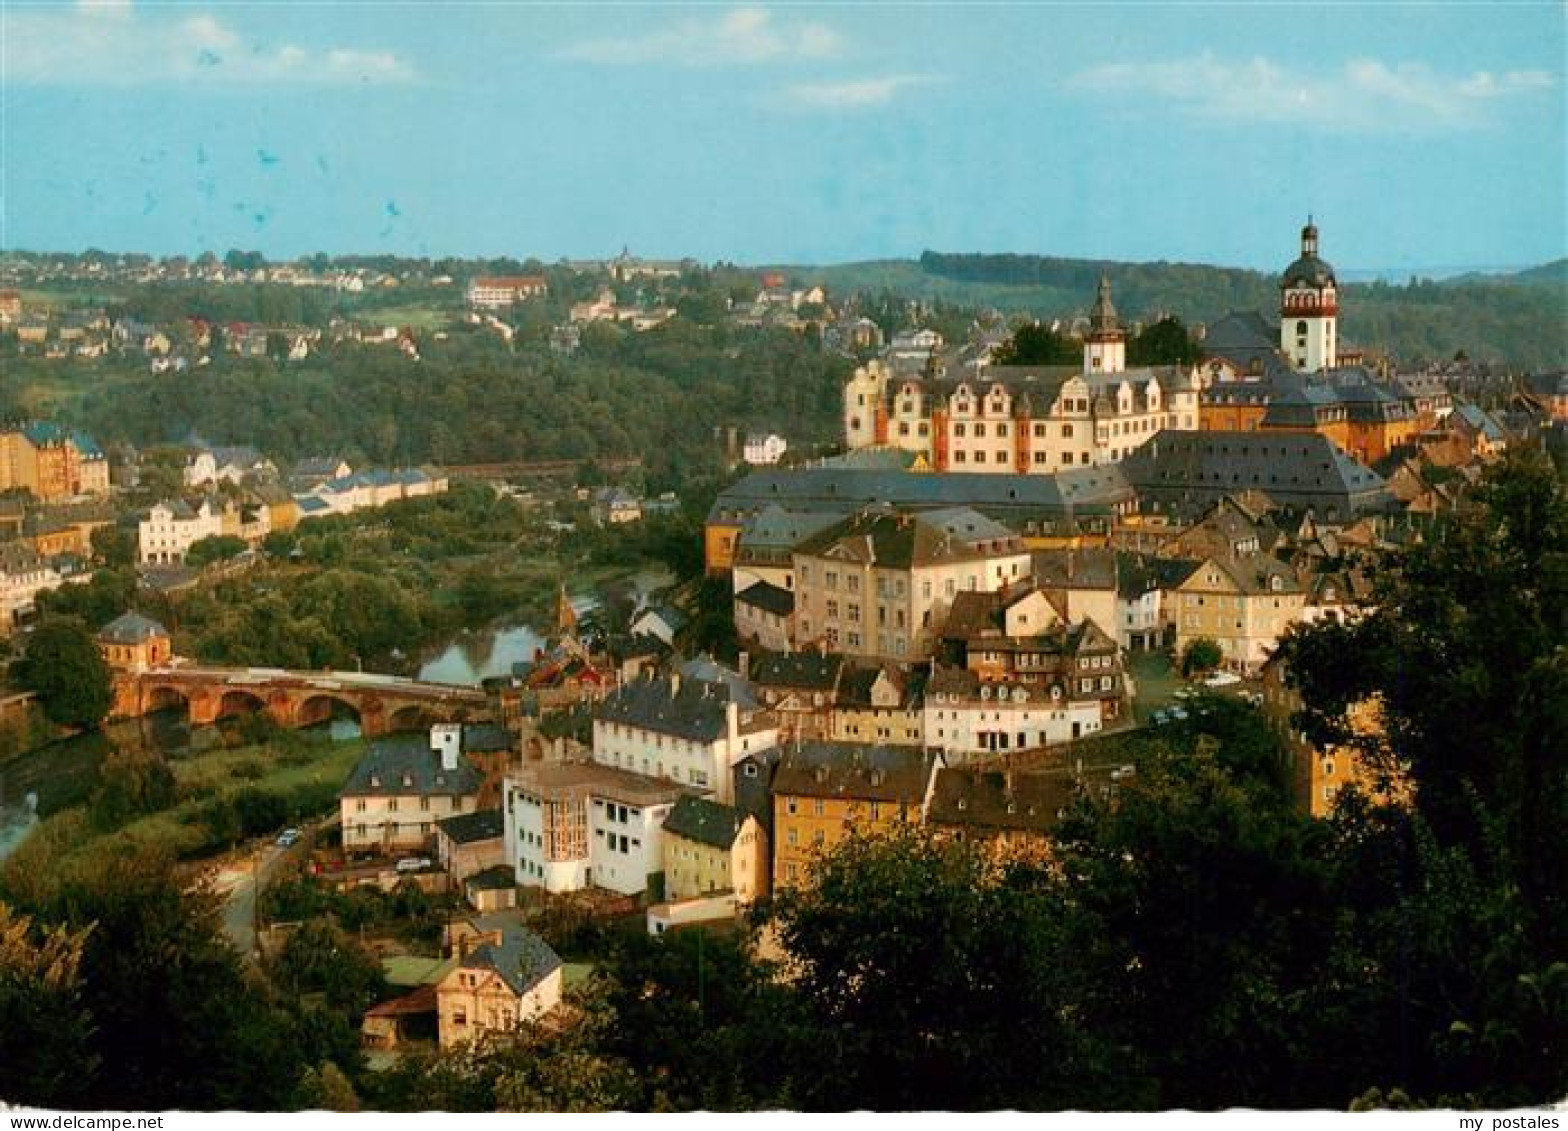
{"type": "Point", "coordinates": [1105, 346]}
{"type": "Point", "coordinates": [565, 615]}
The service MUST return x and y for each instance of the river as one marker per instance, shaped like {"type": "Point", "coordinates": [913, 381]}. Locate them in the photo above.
{"type": "Point", "coordinates": [64, 773]}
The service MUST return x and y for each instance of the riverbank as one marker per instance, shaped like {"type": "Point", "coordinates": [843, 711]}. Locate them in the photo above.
{"type": "Point", "coordinates": [190, 807]}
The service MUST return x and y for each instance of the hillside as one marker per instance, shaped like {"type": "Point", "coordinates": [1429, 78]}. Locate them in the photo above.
{"type": "Point", "coordinates": [1519, 319]}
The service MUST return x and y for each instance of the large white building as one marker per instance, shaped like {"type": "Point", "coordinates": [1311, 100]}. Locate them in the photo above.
{"type": "Point", "coordinates": [689, 728]}
{"type": "Point", "coordinates": [1024, 420]}
{"type": "Point", "coordinates": [172, 528]}
{"type": "Point", "coordinates": [573, 825]}
{"type": "Point", "coordinates": [402, 787]}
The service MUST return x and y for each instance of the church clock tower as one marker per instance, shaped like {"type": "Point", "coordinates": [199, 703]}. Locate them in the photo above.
{"type": "Point", "coordinates": [1308, 309]}
{"type": "Point", "coordinates": [1105, 346]}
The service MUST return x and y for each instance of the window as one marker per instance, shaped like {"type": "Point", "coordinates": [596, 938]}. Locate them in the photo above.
{"type": "Point", "coordinates": [789, 806]}
{"type": "Point", "coordinates": [793, 837]}
{"type": "Point", "coordinates": [979, 429]}
{"type": "Point", "coordinates": [818, 807]}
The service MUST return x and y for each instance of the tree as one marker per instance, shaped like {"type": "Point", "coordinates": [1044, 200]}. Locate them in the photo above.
{"type": "Point", "coordinates": [114, 547]}
{"type": "Point", "coordinates": [132, 781]}
{"type": "Point", "coordinates": [45, 1026]}
{"type": "Point", "coordinates": [1201, 655]}
{"type": "Point", "coordinates": [213, 548]}
{"type": "Point", "coordinates": [1037, 344]}
{"type": "Point", "coordinates": [63, 665]}
{"type": "Point", "coordinates": [1208, 911]}
{"type": "Point", "coordinates": [1166, 342]}
{"type": "Point", "coordinates": [1464, 654]}
{"type": "Point", "coordinates": [934, 978]}
{"type": "Point", "coordinates": [320, 957]}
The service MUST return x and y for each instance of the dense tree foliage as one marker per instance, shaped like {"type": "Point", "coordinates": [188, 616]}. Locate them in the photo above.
{"type": "Point", "coordinates": [1521, 323]}
{"type": "Point", "coordinates": [63, 665]}
{"type": "Point", "coordinates": [1465, 656]}
{"type": "Point", "coordinates": [1037, 344]}
{"type": "Point", "coordinates": [1201, 655]}
{"type": "Point", "coordinates": [45, 1026]}
{"type": "Point", "coordinates": [1164, 342]}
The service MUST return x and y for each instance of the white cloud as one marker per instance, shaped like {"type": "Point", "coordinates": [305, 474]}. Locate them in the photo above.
{"type": "Point", "coordinates": [852, 94]}
{"type": "Point", "coordinates": [107, 43]}
{"type": "Point", "coordinates": [1364, 95]}
{"type": "Point", "coordinates": [739, 36]}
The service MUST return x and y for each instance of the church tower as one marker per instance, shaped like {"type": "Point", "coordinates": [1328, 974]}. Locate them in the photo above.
{"type": "Point", "coordinates": [1308, 334]}
{"type": "Point", "coordinates": [1105, 347]}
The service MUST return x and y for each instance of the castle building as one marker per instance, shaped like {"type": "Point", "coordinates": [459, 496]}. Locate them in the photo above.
{"type": "Point", "coordinates": [1024, 420]}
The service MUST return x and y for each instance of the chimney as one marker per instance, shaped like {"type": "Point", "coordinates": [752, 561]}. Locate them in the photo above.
{"type": "Point", "coordinates": [675, 684]}
{"type": "Point", "coordinates": [744, 662]}
{"type": "Point", "coordinates": [446, 739]}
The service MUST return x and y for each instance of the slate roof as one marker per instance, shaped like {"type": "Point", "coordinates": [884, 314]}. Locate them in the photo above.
{"type": "Point", "coordinates": [1137, 574]}
{"type": "Point", "coordinates": [993, 801]}
{"type": "Point", "coordinates": [1309, 269]}
{"type": "Point", "coordinates": [1242, 336]}
{"type": "Point", "coordinates": [403, 765]}
{"type": "Point", "coordinates": [860, 771]}
{"type": "Point", "coordinates": [470, 828]}
{"type": "Point", "coordinates": [695, 711]}
{"type": "Point", "coordinates": [131, 628]}
{"type": "Point", "coordinates": [706, 822]}
{"type": "Point", "coordinates": [854, 689]}
{"type": "Point", "coordinates": [1289, 468]}
{"type": "Point", "coordinates": [1088, 568]}
{"type": "Point", "coordinates": [521, 958]}
{"type": "Point", "coordinates": [813, 671]}
{"type": "Point", "coordinates": [1478, 419]}
{"type": "Point", "coordinates": [890, 539]}
{"type": "Point", "coordinates": [775, 529]}
{"type": "Point", "coordinates": [843, 491]}
{"type": "Point", "coordinates": [484, 738]}
{"type": "Point", "coordinates": [769, 598]}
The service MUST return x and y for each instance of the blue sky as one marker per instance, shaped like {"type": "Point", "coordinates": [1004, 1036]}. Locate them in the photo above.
{"type": "Point", "coordinates": [1421, 135]}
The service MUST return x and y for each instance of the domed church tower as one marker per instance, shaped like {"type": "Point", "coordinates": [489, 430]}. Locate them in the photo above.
{"type": "Point", "coordinates": [1308, 334]}
{"type": "Point", "coordinates": [1105, 347]}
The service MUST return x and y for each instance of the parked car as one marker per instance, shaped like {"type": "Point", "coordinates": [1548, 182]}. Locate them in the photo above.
{"type": "Point", "coordinates": [1222, 679]}
{"type": "Point", "coordinates": [288, 838]}
{"type": "Point", "coordinates": [1178, 712]}
{"type": "Point", "coordinates": [414, 864]}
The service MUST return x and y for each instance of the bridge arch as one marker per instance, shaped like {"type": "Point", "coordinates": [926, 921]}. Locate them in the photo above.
{"type": "Point", "coordinates": [321, 706]}
{"type": "Point", "coordinates": [236, 701]}
{"type": "Point", "coordinates": [163, 697]}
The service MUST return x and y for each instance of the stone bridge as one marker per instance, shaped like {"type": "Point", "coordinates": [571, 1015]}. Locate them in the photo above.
{"type": "Point", "coordinates": [381, 703]}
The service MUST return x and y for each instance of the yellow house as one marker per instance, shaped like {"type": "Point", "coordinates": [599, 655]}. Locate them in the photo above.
{"type": "Point", "coordinates": [822, 792]}
{"type": "Point", "coordinates": [504, 977]}
{"type": "Point", "coordinates": [132, 642]}
{"type": "Point", "coordinates": [880, 704]}
{"type": "Point", "coordinates": [1243, 603]}
{"type": "Point", "coordinates": [711, 848]}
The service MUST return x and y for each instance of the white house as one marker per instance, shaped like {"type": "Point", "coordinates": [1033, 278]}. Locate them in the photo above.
{"type": "Point", "coordinates": [402, 787]}
{"type": "Point", "coordinates": [171, 528]}
{"type": "Point", "coordinates": [689, 728]}
{"type": "Point", "coordinates": [970, 719]}
{"type": "Point", "coordinates": [764, 448]}
{"type": "Point", "coordinates": [573, 825]}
